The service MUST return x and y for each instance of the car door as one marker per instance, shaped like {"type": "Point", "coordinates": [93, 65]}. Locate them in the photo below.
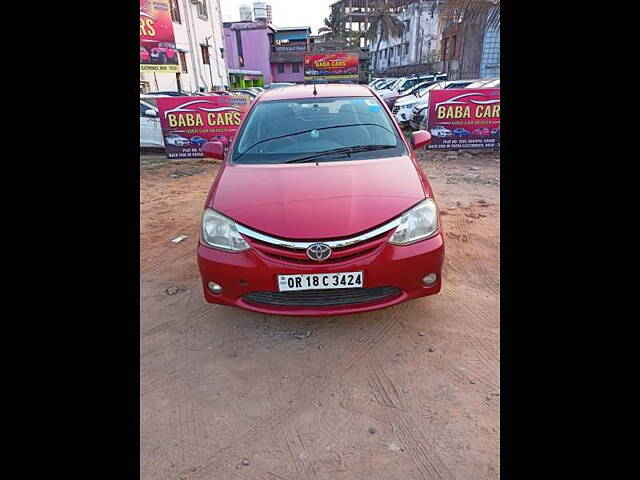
{"type": "Point", "coordinates": [150, 130]}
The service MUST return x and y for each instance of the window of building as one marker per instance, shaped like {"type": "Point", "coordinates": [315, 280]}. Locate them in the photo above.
{"type": "Point", "coordinates": [183, 62]}
{"type": "Point", "coordinates": [406, 49]}
{"type": "Point", "coordinates": [295, 67]}
{"type": "Point", "coordinates": [205, 54]}
{"type": "Point", "coordinates": [202, 10]}
{"type": "Point", "coordinates": [175, 11]}
{"type": "Point", "coordinates": [281, 68]}
{"type": "Point", "coordinates": [398, 50]}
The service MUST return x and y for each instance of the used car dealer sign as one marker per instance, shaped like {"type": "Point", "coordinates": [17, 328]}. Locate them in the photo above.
{"type": "Point", "coordinates": [464, 118]}
{"type": "Point", "coordinates": [189, 122]}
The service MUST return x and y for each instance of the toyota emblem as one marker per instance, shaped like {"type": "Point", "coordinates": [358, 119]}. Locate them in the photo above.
{"type": "Point", "coordinates": [319, 251]}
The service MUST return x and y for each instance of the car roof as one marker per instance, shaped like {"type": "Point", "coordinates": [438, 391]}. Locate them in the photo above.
{"type": "Point", "coordinates": [326, 90]}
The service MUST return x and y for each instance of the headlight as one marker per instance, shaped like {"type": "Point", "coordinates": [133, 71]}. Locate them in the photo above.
{"type": "Point", "coordinates": [417, 224]}
{"type": "Point", "coordinates": [220, 232]}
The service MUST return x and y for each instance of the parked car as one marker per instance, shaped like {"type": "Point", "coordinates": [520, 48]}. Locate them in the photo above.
{"type": "Point", "coordinates": [461, 133]}
{"type": "Point", "coordinates": [332, 218]}
{"type": "Point", "coordinates": [406, 83]}
{"type": "Point", "coordinates": [485, 83]}
{"type": "Point", "coordinates": [418, 114]}
{"type": "Point", "coordinates": [441, 132]}
{"type": "Point", "coordinates": [168, 93]}
{"type": "Point", "coordinates": [247, 92]}
{"type": "Point", "coordinates": [198, 141]}
{"type": "Point", "coordinates": [481, 132]}
{"type": "Point", "coordinates": [150, 130]}
{"type": "Point", "coordinates": [177, 140]}
{"type": "Point", "coordinates": [165, 52]}
{"type": "Point", "coordinates": [391, 100]}
{"type": "Point", "coordinates": [385, 83]}
{"type": "Point", "coordinates": [222, 139]}
{"type": "Point", "coordinates": [144, 55]}
{"type": "Point", "coordinates": [278, 85]}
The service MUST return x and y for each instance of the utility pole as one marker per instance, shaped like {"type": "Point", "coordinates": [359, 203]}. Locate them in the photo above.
{"type": "Point", "coordinates": [206, 41]}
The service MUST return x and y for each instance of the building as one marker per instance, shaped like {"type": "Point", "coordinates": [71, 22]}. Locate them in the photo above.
{"type": "Point", "coordinates": [287, 53]}
{"type": "Point", "coordinates": [470, 50]}
{"type": "Point", "coordinates": [269, 14]}
{"type": "Point", "coordinates": [416, 51]}
{"type": "Point", "coordinates": [197, 27]}
{"type": "Point", "coordinates": [248, 47]}
{"type": "Point", "coordinates": [246, 13]}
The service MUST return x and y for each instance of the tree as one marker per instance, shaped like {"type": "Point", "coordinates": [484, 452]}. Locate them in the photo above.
{"type": "Point", "coordinates": [471, 12]}
{"type": "Point", "coordinates": [383, 25]}
{"type": "Point", "coordinates": [335, 26]}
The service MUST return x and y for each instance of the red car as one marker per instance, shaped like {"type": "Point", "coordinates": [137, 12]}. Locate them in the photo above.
{"type": "Point", "coordinates": [319, 208]}
{"type": "Point", "coordinates": [144, 55]}
{"type": "Point", "coordinates": [481, 132]}
{"type": "Point", "coordinates": [164, 53]}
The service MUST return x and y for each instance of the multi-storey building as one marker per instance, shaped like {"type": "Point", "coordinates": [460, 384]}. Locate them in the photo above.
{"type": "Point", "coordinates": [199, 41]}
{"type": "Point", "coordinates": [248, 47]}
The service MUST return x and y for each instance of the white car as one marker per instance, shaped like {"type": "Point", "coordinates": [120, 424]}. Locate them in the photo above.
{"type": "Point", "coordinates": [403, 106]}
{"type": "Point", "coordinates": [441, 132]}
{"type": "Point", "coordinates": [150, 130]}
{"type": "Point", "coordinates": [177, 140]}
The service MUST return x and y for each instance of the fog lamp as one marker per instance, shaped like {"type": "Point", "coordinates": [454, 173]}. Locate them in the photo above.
{"type": "Point", "coordinates": [430, 279]}
{"type": "Point", "coordinates": [214, 288]}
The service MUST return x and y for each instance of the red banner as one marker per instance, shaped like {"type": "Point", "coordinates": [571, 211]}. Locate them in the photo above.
{"type": "Point", "coordinates": [464, 118]}
{"type": "Point", "coordinates": [157, 44]}
{"type": "Point", "coordinates": [189, 122]}
{"type": "Point", "coordinates": [332, 66]}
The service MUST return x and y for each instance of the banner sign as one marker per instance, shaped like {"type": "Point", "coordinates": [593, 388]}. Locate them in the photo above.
{"type": "Point", "coordinates": [189, 122]}
{"type": "Point", "coordinates": [332, 66]}
{"type": "Point", "coordinates": [157, 45]}
{"type": "Point", "coordinates": [464, 118]}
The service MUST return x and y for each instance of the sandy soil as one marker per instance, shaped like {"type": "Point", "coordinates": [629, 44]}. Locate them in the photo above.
{"type": "Point", "coordinates": [409, 392]}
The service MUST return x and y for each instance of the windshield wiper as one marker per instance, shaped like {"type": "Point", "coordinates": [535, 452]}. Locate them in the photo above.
{"type": "Point", "coordinates": [338, 151]}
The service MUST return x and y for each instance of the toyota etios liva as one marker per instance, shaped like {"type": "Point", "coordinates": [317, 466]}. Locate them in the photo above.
{"type": "Point", "coordinates": [319, 208]}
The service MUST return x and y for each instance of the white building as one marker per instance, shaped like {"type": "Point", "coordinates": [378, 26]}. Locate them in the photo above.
{"type": "Point", "coordinates": [199, 36]}
{"type": "Point", "coordinates": [260, 11]}
{"type": "Point", "coordinates": [246, 13]}
{"type": "Point", "coordinates": [419, 44]}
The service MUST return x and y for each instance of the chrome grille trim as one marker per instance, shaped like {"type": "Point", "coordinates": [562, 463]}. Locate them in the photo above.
{"type": "Point", "coordinates": [331, 243]}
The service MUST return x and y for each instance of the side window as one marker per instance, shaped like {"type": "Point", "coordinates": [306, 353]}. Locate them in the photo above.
{"type": "Point", "coordinates": [142, 110]}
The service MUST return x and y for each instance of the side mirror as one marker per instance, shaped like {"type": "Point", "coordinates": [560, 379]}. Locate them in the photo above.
{"type": "Point", "coordinates": [213, 150]}
{"type": "Point", "coordinates": [420, 139]}
{"type": "Point", "coordinates": [150, 113]}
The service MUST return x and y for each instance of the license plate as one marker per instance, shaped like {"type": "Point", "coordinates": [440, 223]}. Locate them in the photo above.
{"type": "Point", "coordinates": [320, 281]}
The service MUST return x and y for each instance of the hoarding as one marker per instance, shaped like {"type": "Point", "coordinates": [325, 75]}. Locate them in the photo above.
{"type": "Point", "coordinates": [331, 66]}
{"type": "Point", "coordinates": [464, 118]}
{"type": "Point", "coordinates": [189, 122]}
{"type": "Point", "coordinates": [158, 51]}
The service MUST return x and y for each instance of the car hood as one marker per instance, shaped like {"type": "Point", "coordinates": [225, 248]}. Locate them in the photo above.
{"type": "Point", "coordinates": [408, 99]}
{"type": "Point", "coordinates": [309, 201]}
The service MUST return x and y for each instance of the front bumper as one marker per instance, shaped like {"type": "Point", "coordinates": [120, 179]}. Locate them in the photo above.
{"type": "Point", "coordinates": [402, 267]}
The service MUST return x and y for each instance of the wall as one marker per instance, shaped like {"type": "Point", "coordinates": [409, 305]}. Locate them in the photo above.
{"type": "Point", "coordinates": [288, 75]}
{"type": "Point", "coordinates": [423, 37]}
{"type": "Point", "coordinates": [189, 33]}
{"type": "Point", "coordinates": [255, 46]}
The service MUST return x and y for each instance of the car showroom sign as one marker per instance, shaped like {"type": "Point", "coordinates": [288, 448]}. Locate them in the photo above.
{"type": "Point", "coordinates": [331, 66]}
{"type": "Point", "coordinates": [189, 122]}
{"type": "Point", "coordinates": [464, 118]}
{"type": "Point", "coordinates": [157, 44]}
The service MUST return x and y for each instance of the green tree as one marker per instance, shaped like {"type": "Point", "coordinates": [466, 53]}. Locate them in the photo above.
{"type": "Point", "coordinates": [383, 25]}
{"type": "Point", "coordinates": [335, 26]}
{"type": "Point", "coordinates": [472, 11]}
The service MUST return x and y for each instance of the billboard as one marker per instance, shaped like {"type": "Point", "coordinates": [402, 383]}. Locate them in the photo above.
{"type": "Point", "coordinates": [331, 66]}
{"type": "Point", "coordinates": [158, 51]}
{"type": "Point", "coordinates": [464, 118]}
{"type": "Point", "coordinates": [189, 122]}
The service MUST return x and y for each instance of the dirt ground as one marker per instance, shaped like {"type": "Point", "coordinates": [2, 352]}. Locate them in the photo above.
{"type": "Point", "coordinates": [409, 392]}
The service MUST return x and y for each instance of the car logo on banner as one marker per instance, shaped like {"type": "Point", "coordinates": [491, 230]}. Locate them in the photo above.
{"type": "Point", "coordinates": [319, 251]}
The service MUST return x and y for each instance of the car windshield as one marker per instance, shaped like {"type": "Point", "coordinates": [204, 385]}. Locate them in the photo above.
{"type": "Point", "coordinates": [290, 130]}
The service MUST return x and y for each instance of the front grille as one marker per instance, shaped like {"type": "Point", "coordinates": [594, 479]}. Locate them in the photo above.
{"type": "Point", "coordinates": [323, 298]}
{"type": "Point", "coordinates": [337, 254]}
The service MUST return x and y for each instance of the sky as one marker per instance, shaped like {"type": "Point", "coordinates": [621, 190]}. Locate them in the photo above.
{"type": "Point", "coordinates": [286, 13]}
